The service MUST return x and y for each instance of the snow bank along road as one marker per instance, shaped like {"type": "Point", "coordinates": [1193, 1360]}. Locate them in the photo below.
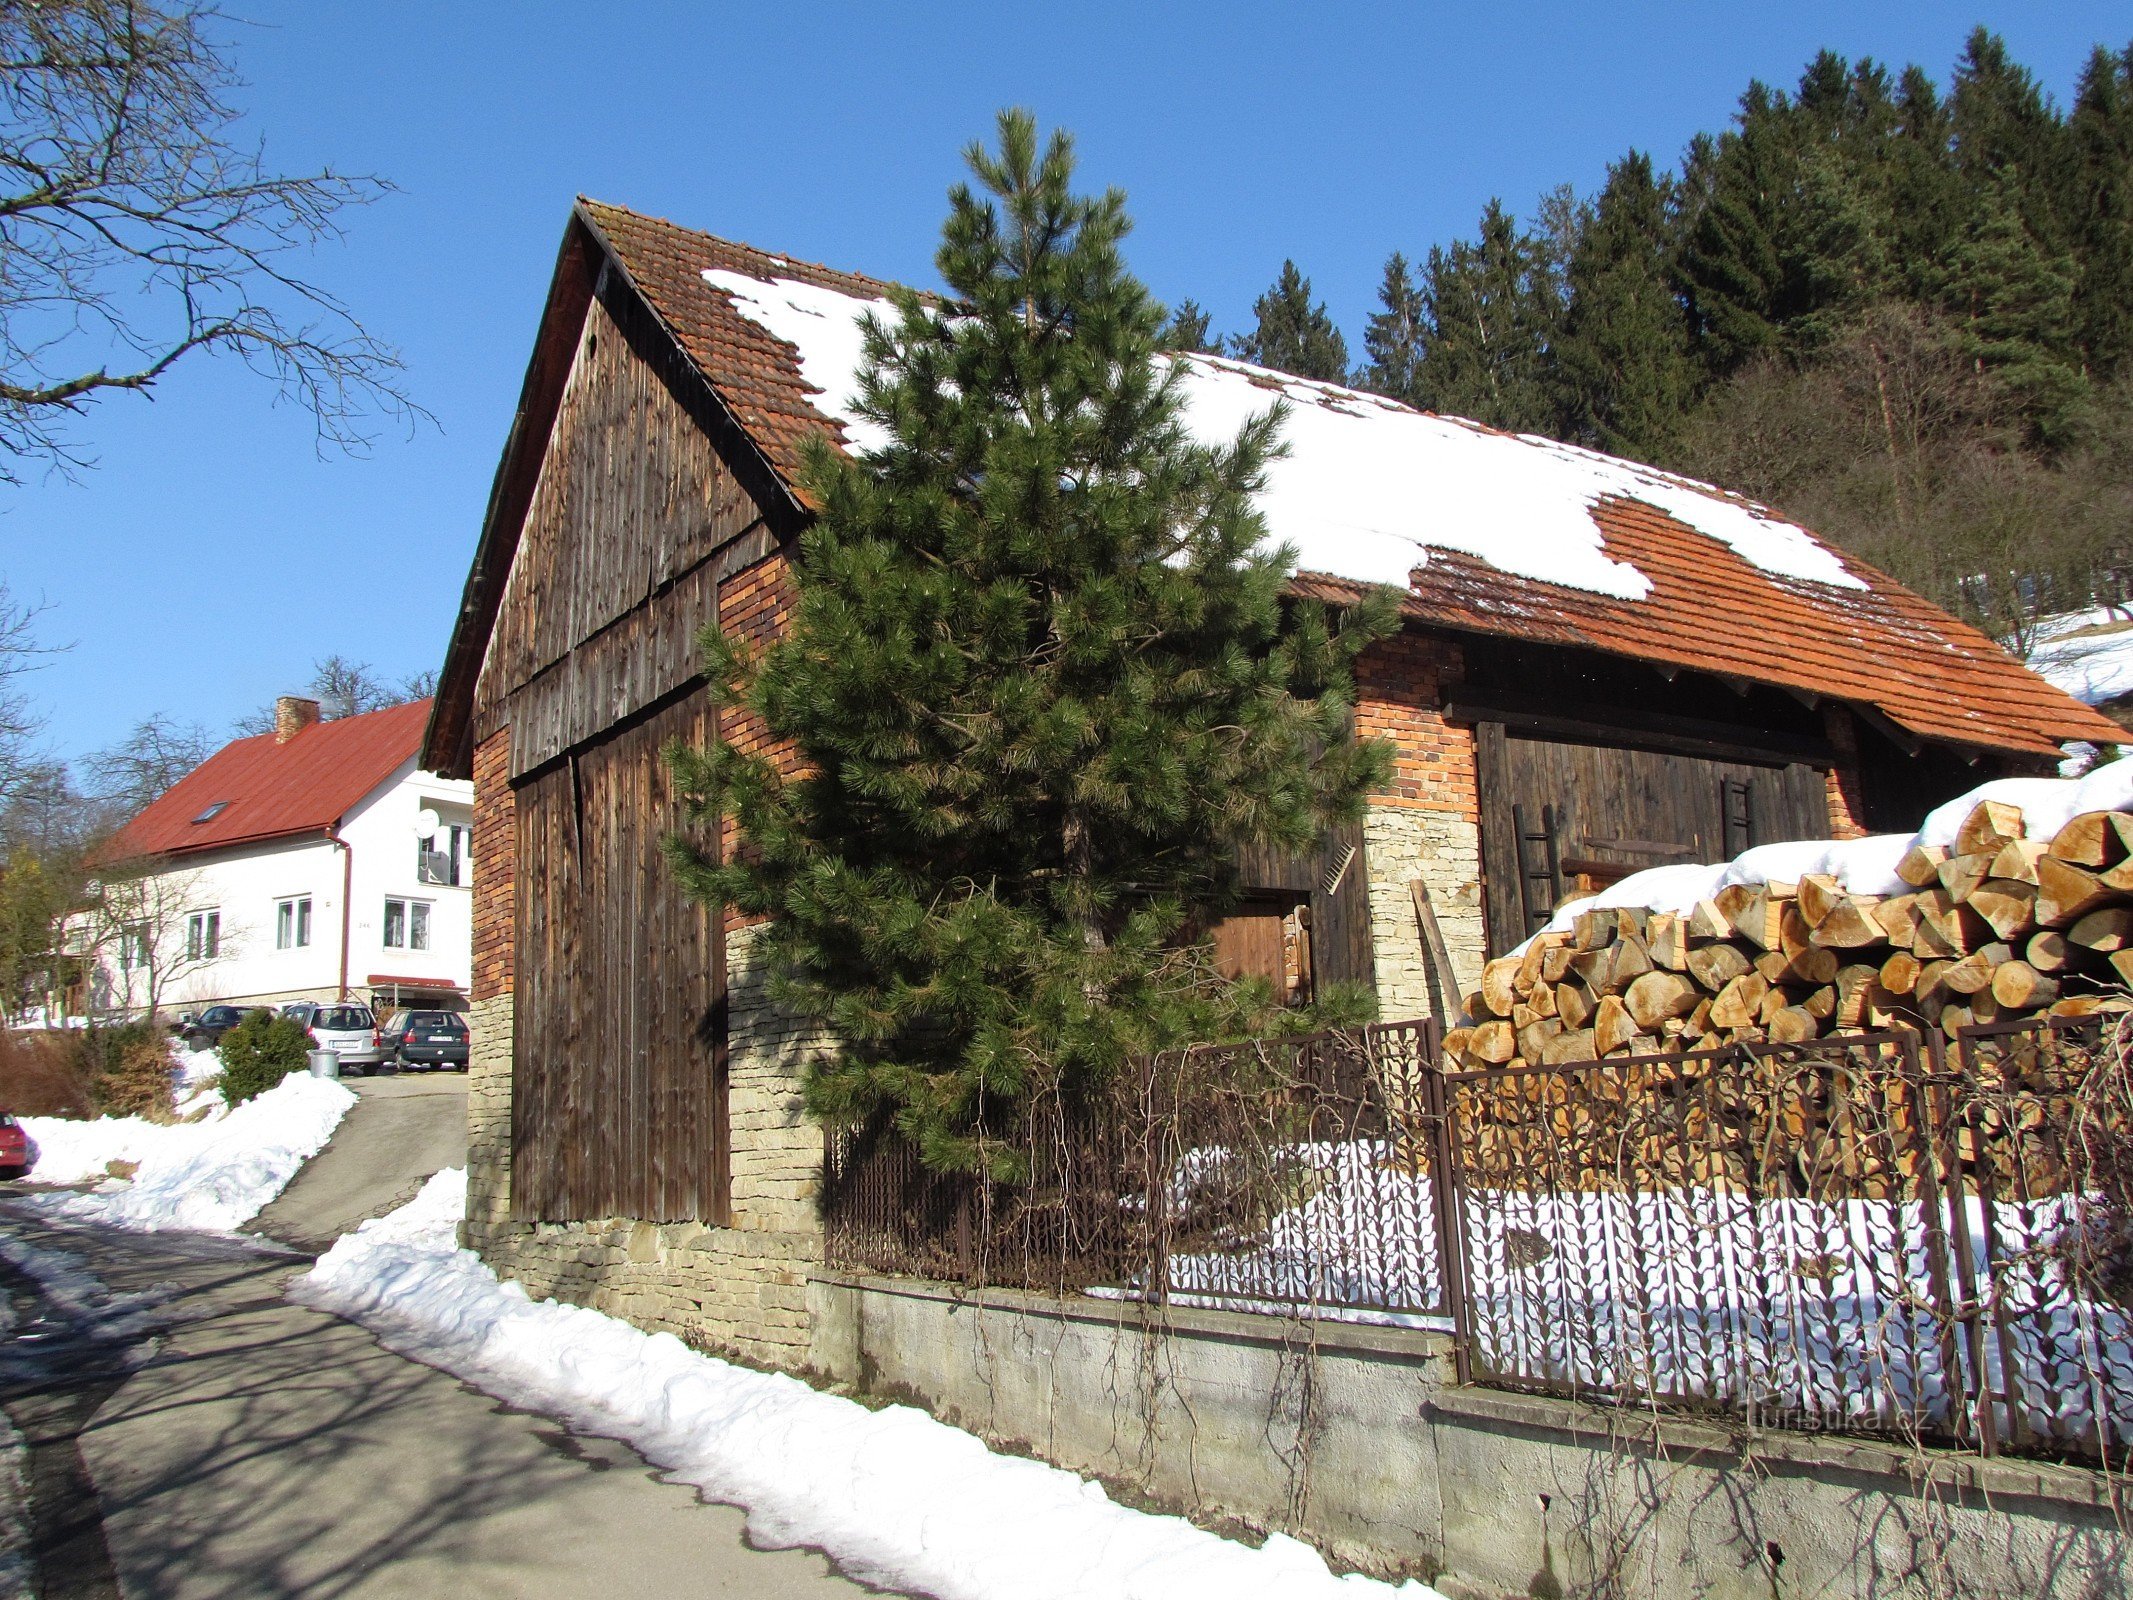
{"type": "Point", "coordinates": [259, 1448]}
{"type": "Point", "coordinates": [194, 1433]}
{"type": "Point", "coordinates": [262, 1449]}
{"type": "Point", "coordinates": [897, 1497]}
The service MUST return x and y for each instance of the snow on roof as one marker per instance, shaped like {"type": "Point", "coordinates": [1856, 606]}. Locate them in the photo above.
{"type": "Point", "coordinates": [1368, 485]}
{"type": "Point", "coordinates": [825, 327]}
{"type": "Point", "coordinates": [2089, 654]}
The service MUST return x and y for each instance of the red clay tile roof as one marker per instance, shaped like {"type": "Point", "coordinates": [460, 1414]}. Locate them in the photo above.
{"type": "Point", "coordinates": [1708, 610]}
{"type": "Point", "coordinates": [750, 367]}
{"type": "Point", "coordinates": [274, 791]}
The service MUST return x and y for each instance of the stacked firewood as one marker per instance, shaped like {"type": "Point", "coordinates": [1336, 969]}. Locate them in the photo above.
{"type": "Point", "coordinates": [1999, 927]}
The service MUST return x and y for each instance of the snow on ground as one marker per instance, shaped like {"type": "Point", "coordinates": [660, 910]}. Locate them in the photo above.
{"type": "Point", "coordinates": [1697, 1292]}
{"type": "Point", "coordinates": [1863, 866]}
{"type": "Point", "coordinates": [1367, 483]}
{"type": "Point", "coordinates": [894, 1496]}
{"type": "Point", "coordinates": [2089, 654]}
{"type": "Point", "coordinates": [212, 1175]}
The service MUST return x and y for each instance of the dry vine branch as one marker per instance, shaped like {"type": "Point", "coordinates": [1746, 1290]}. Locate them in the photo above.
{"type": "Point", "coordinates": [2101, 1153]}
{"type": "Point", "coordinates": [136, 229]}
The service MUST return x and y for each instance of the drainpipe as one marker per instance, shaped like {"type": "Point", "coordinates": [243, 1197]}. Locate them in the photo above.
{"type": "Point", "coordinates": [333, 837]}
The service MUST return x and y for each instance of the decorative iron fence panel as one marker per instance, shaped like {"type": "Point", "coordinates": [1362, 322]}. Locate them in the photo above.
{"type": "Point", "coordinates": [1282, 1174]}
{"type": "Point", "coordinates": [1874, 1233]}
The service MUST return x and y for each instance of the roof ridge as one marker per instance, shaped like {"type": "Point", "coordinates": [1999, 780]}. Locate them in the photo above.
{"type": "Point", "coordinates": [742, 244]}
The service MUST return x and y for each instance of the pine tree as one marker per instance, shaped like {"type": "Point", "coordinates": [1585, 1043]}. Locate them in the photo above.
{"type": "Point", "coordinates": [1392, 338]}
{"type": "Point", "coordinates": [1730, 266]}
{"type": "Point", "coordinates": [1787, 240]}
{"type": "Point", "coordinates": [1485, 333]}
{"type": "Point", "coordinates": [2014, 294]}
{"type": "Point", "coordinates": [1044, 683]}
{"type": "Point", "coordinates": [1622, 362]}
{"type": "Point", "coordinates": [1189, 330]}
{"type": "Point", "coordinates": [2102, 131]}
{"type": "Point", "coordinates": [1293, 335]}
{"type": "Point", "coordinates": [1922, 190]}
{"type": "Point", "coordinates": [2004, 135]}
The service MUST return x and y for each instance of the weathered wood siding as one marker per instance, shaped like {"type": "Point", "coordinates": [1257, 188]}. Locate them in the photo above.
{"type": "Point", "coordinates": [1340, 917]}
{"type": "Point", "coordinates": [636, 526]}
{"type": "Point", "coordinates": [619, 1056]}
{"type": "Point", "coordinates": [1594, 800]}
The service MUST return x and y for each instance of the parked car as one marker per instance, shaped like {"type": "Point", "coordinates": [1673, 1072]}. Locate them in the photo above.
{"type": "Point", "coordinates": [14, 1147]}
{"type": "Point", "coordinates": [425, 1039]}
{"type": "Point", "coordinates": [348, 1029]}
{"type": "Point", "coordinates": [205, 1030]}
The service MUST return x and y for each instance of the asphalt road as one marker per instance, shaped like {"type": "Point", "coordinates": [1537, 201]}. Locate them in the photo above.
{"type": "Point", "coordinates": [403, 1127]}
{"type": "Point", "coordinates": [251, 1447]}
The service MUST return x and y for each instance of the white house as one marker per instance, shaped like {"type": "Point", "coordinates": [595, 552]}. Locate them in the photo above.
{"type": "Point", "coordinates": [313, 862]}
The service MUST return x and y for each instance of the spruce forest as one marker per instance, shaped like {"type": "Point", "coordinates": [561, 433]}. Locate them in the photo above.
{"type": "Point", "coordinates": [1900, 312]}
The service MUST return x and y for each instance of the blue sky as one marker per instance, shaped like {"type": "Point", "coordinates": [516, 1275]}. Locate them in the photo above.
{"type": "Point", "coordinates": [212, 554]}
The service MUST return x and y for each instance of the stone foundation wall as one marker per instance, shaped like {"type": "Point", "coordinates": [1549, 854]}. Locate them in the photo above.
{"type": "Point", "coordinates": [741, 1288]}
{"type": "Point", "coordinates": [1402, 843]}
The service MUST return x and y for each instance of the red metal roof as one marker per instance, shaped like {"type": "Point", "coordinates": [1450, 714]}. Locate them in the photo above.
{"type": "Point", "coordinates": [270, 790]}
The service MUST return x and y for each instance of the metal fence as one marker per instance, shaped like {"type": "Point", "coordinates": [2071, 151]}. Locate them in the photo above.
{"type": "Point", "coordinates": [1876, 1233]}
{"type": "Point", "coordinates": [1286, 1174]}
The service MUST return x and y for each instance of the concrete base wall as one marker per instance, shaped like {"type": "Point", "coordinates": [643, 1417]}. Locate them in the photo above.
{"type": "Point", "coordinates": [741, 1288]}
{"type": "Point", "coordinates": [1355, 1438]}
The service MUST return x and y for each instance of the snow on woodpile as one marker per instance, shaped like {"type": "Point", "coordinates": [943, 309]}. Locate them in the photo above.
{"type": "Point", "coordinates": [1368, 484]}
{"type": "Point", "coordinates": [893, 1496]}
{"type": "Point", "coordinates": [2012, 900]}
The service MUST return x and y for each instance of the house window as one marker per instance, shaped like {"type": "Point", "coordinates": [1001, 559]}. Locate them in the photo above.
{"type": "Point", "coordinates": [407, 924]}
{"type": "Point", "coordinates": [203, 936]}
{"type": "Point", "coordinates": [133, 946]}
{"type": "Point", "coordinates": [292, 923]}
{"type": "Point", "coordinates": [442, 857]}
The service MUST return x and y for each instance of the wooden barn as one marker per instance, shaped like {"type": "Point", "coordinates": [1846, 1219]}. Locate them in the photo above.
{"type": "Point", "coordinates": [1603, 668]}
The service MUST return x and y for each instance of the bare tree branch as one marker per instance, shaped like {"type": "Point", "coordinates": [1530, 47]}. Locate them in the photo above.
{"type": "Point", "coordinates": [20, 652]}
{"type": "Point", "coordinates": [345, 688]}
{"type": "Point", "coordinates": [135, 230]}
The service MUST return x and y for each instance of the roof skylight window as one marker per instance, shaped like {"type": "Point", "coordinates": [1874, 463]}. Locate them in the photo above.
{"type": "Point", "coordinates": [212, 812]}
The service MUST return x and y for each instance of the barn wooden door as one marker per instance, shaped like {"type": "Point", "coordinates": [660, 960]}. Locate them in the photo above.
{"type": "Point", "coordinates": [619, 1056]}
{"type": "Point", "coordinates": [1561, 818]}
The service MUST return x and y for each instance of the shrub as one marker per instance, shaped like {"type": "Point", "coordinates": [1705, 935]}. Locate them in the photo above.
{"type": "Point", "coordinates": [127, 1070]}
{"type": "Point", "coordinates": [259, 1052]}
{"type": "Point", "coordinates": [133, 1078]}
{"type": "Point", "coordinates": [43, 1073]}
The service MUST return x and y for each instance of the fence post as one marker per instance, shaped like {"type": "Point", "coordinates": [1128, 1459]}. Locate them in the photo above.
{"type": "Point", "coordinates": [1940, 1224]}
{"type": "Point", "coordinates": [1445, 1194]}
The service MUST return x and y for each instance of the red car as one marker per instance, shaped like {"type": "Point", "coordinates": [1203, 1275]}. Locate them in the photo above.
{"type": "Point", "coordinates": [14, 1147]}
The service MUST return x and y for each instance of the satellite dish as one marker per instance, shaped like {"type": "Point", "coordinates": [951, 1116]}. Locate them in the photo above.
{"type": "Point", "coordinates": [427, 822]}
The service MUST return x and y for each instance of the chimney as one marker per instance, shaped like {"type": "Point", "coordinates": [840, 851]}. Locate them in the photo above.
{"type": "Point", "coordinates": [292, 715]}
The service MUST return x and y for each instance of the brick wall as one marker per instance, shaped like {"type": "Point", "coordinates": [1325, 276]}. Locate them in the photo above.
{"type": "Point", "coordinates": [495, 866]}
{"type": "Point", "coordinates": [754, 605]}
{"type": "Point", "coordinates": [1399, 686]}
{"type": "Point", "coordinates": [1841, 782]}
